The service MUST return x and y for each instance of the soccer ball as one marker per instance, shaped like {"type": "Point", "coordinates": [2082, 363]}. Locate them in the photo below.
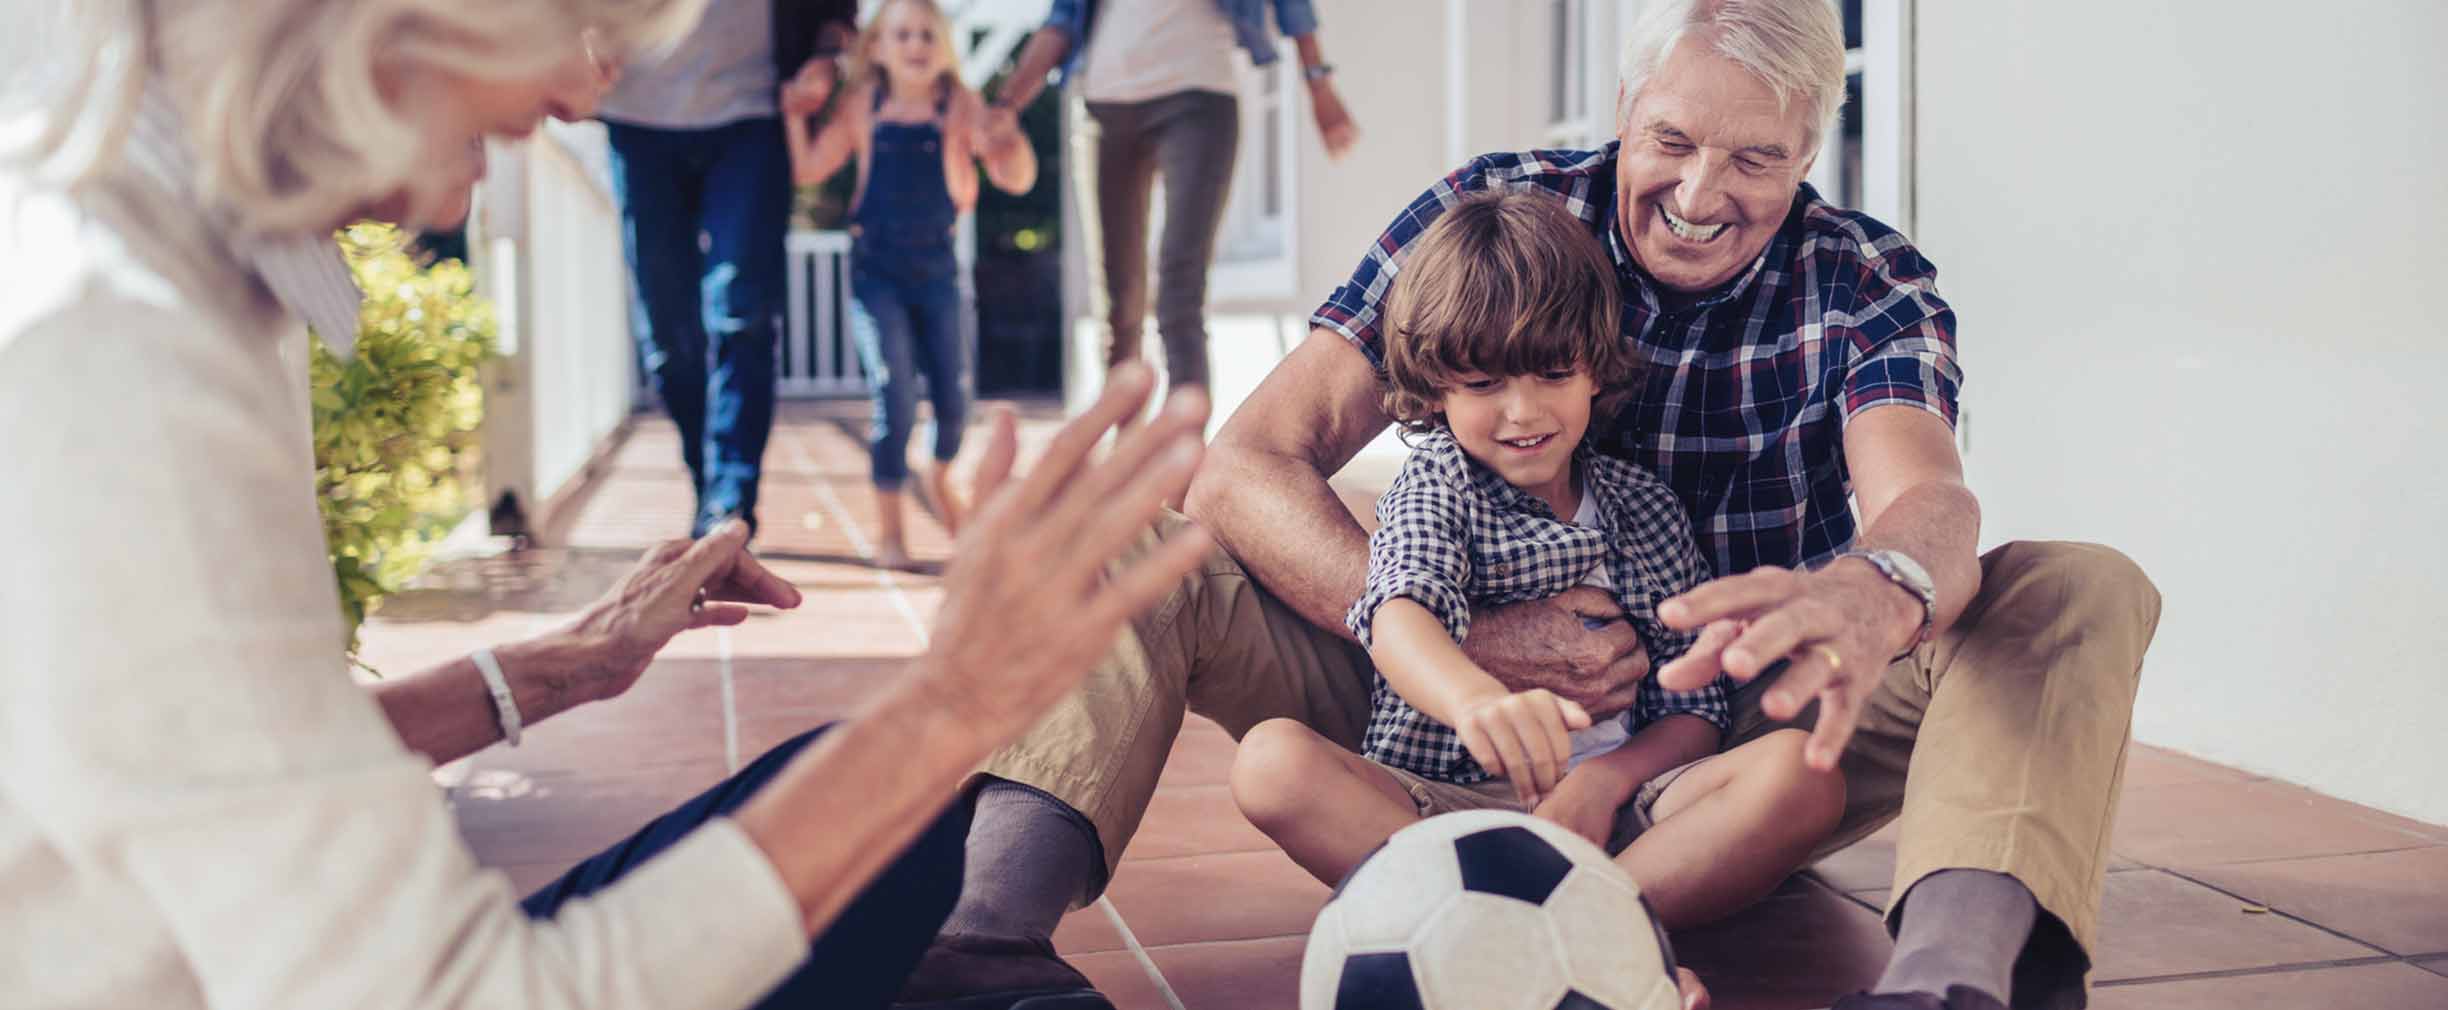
{"type": "Point", "coordinates": [1487, 910]}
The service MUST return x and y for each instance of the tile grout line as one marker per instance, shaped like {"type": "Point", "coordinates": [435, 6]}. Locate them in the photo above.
{"type": "Point", "coordinates": [858, 536]}
{"type": "Point", "coordinates": [2290, 968]}
{"type": "Point", "coordinates": [2275, 910]}
{"type": "Point", "coordinates": [2266, 860]}
{"type": "Point", "coordinates": [730, 699]}
{"type": "Point", "coordinates": [858, 539]}
{"type": "Point", "coordinates": [1130, 940]}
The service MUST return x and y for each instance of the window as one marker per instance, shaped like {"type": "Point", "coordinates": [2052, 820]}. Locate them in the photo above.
{"type": "Point", "coordinates": [1568, 74]}
{"type": "Point", "coordinates": [1866, 163]}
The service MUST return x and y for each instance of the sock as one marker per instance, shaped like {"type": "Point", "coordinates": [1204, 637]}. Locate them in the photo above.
{"type": "Point", "coordinates": [1030, 857]}
{"type": "Point", "coordinates": [1961, 928]}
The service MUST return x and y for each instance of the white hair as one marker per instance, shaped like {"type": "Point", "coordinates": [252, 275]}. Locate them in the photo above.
{"type": "Point", "coordinates": [278, 97]}
{"type": "Point", "coordinates": [1796, 47]}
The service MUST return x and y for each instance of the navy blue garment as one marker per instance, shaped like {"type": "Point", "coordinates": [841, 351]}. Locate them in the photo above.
{"type": "Point", "coordinates": [867, 953]}
{"type": "Point", "coordinates": [703, 214]}
{"type": "Point", "coordinates": [905, 295]}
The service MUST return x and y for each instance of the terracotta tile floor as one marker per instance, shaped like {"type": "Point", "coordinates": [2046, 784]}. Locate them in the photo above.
{"type": "Point", "coordinates": [2228, 890]}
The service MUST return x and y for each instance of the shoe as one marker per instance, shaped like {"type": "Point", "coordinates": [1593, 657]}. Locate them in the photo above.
{"type": "Point", "coordinates": [1958, 997]}
{"type": "Point", "coordinates": [964, 972]}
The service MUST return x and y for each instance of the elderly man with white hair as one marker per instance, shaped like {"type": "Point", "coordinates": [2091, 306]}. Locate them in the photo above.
{"type": "Point", "coordinates": [1800, 396]}
{"type": "Point", "coordinates": [197, 806]}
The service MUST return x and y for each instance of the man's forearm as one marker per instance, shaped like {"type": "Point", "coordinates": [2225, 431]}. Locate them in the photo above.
{"type": "Point", "coordinates": [446, 713]}
{"type": "Point", "coordinates": [1311, 54]}
{"type": "Point", "coordinates": [1279, 518]}
{"type": "Point", "coordinates": [1037, 59]}
{"type": "Point", "coordinates": [1938, 523]}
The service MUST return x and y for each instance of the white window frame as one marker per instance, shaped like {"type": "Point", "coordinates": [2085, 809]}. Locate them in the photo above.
{"type": "Point", "coordinates": [1569, 54]}
{"type": "Point", "coordinates": [1271, 273]}
{"type": "Point", "coordinates": [1885, 63]}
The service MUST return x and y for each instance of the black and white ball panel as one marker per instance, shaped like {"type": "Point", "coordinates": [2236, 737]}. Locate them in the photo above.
{"type": "Point", "coordinates": [1487, 910]}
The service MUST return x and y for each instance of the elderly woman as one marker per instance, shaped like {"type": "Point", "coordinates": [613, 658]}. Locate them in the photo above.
{"type": "Point", "coordinates": [197, 807]}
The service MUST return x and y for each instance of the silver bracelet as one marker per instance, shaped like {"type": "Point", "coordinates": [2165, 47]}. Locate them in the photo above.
{"type": "Point", "coordinates": [504, 706]}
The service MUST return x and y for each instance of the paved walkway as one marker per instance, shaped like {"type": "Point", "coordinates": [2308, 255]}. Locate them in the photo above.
{"type": "Point", "coordinates": [2228, 891]}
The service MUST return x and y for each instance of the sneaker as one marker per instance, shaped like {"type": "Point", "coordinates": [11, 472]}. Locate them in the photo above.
{"type": "Point", "coordinates": [1958, 997]}
{"type": "Point", "coordinates": [964, 972]}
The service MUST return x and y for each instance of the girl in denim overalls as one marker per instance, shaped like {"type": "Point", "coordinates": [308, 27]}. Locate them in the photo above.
{"type": "Point", "coordinates": [919, 134]}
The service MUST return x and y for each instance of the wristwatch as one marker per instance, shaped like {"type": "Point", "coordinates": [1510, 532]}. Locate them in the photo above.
{"type": "Point", "coordinates": [1907, 574]}
{"type": "Point", "coordinates": [1317, 72]}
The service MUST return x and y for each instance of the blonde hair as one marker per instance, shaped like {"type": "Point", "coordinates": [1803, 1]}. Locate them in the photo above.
{"type": "Point", "coordinates": [1503, 283]}
{"type": "Point", "coordinates": [865, 70]}
{"type": "Point", "coordinates": [278, 97]}
{"type": "Point", "coordinates": [1796, 46]}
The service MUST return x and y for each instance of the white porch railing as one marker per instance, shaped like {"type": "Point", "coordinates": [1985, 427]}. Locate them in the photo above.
{"type": "Point", "coordinates": [818, 356]}
{"type": "Point", "coordinates": [547, 248]}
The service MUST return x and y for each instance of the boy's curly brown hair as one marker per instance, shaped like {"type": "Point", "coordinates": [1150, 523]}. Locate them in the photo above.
{"type": "Point", "coordinates": [1504, 283]}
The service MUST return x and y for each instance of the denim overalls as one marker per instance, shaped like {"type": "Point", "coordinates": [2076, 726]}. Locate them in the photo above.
{"type": "Point", "coordinates": [905, 287]}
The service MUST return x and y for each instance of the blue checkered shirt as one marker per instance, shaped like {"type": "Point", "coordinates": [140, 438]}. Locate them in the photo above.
{"type": "Point", "coordinates": [1744, 394]}
{"type": "Point", "coordinates": [1452, 534]}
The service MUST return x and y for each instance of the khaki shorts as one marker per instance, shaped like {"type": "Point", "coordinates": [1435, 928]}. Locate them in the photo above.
{"type": "Point", "coordinates": [1431, 797]}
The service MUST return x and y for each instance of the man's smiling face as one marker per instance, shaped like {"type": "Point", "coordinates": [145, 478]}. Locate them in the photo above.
{"type": "Point", "coordinates": [1709, 165]}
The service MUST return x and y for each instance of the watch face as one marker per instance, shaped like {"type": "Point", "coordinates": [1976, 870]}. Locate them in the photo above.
{"type": "Point", "coordinates": [1911, 572]}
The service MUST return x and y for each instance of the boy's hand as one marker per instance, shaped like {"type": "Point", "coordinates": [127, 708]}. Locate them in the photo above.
{"type": "Point", "coordinates": [1523, 736]}
{"type": "Point", "coordinates": [1585, 803]}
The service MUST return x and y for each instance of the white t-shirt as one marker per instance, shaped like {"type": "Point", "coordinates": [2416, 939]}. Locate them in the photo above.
{"type": "Point", "coordinates": [1606, 734]}
{"type": "Point", "coordinates": [722, 72]}
{"type": "Point", "coordinates": [1143, 49]}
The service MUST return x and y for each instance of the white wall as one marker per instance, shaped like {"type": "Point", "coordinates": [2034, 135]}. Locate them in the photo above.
{"type": "Point", "coordinates": [2195, 249]}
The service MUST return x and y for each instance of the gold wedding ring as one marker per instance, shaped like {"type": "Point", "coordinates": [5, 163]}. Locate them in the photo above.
{"type": "Point", "coordinates": [1835, 662]}
{"type": "Point", "coordinates": [699, 603]}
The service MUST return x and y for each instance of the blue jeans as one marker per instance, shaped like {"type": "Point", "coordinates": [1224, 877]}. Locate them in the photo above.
{"type": "Point", "coordinates": [703, 214]}
{"type": "Point", "coordinates": [868, 952]}
{"type": "Point", "coordinates": [905, 315]}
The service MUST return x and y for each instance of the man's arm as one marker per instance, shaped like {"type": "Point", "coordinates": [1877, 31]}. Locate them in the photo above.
{"type": "Point", "coordinates": [1045, 49]}
{"type": "Point", "coordinates": [1840, 625]}
{"type": "Point", "coordinates": [1263, 493]}
{"type": "Point", "coordinates": [1908, 479]}
{"type": "Point", "coordinates": [1263, 490]}
{"type": "Point", "coordinates": [1334, 121]}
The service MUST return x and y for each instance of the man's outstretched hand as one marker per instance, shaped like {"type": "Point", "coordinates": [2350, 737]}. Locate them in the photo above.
{"type": "Point", "coordinates": [1835, 630]}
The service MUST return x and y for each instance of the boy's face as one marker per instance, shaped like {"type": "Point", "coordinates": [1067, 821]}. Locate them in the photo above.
{"type": "Point", "coordinates": [1524, 427]}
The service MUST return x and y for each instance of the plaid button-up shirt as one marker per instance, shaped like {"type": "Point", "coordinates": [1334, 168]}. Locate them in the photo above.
{"type": "Point", "coordinates": [1452, 533]}
{"type": "Point", "coordinates": [1745, 393]}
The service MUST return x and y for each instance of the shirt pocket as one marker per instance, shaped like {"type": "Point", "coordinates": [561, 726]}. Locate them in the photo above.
{"type": "Point", "coordinates": [1531, 558]}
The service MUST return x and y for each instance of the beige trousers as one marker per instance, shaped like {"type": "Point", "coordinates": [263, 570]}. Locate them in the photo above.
{"type": "Point", "coordinates": [2000, 746]}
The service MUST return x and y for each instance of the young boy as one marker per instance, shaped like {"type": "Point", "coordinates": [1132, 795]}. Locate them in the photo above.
{"type": "Point", "coordinates": [1501, 345]}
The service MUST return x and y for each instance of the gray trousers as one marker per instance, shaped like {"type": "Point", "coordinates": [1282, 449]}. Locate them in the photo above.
{"type": "Point", "coordinates": [1189, 138]}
